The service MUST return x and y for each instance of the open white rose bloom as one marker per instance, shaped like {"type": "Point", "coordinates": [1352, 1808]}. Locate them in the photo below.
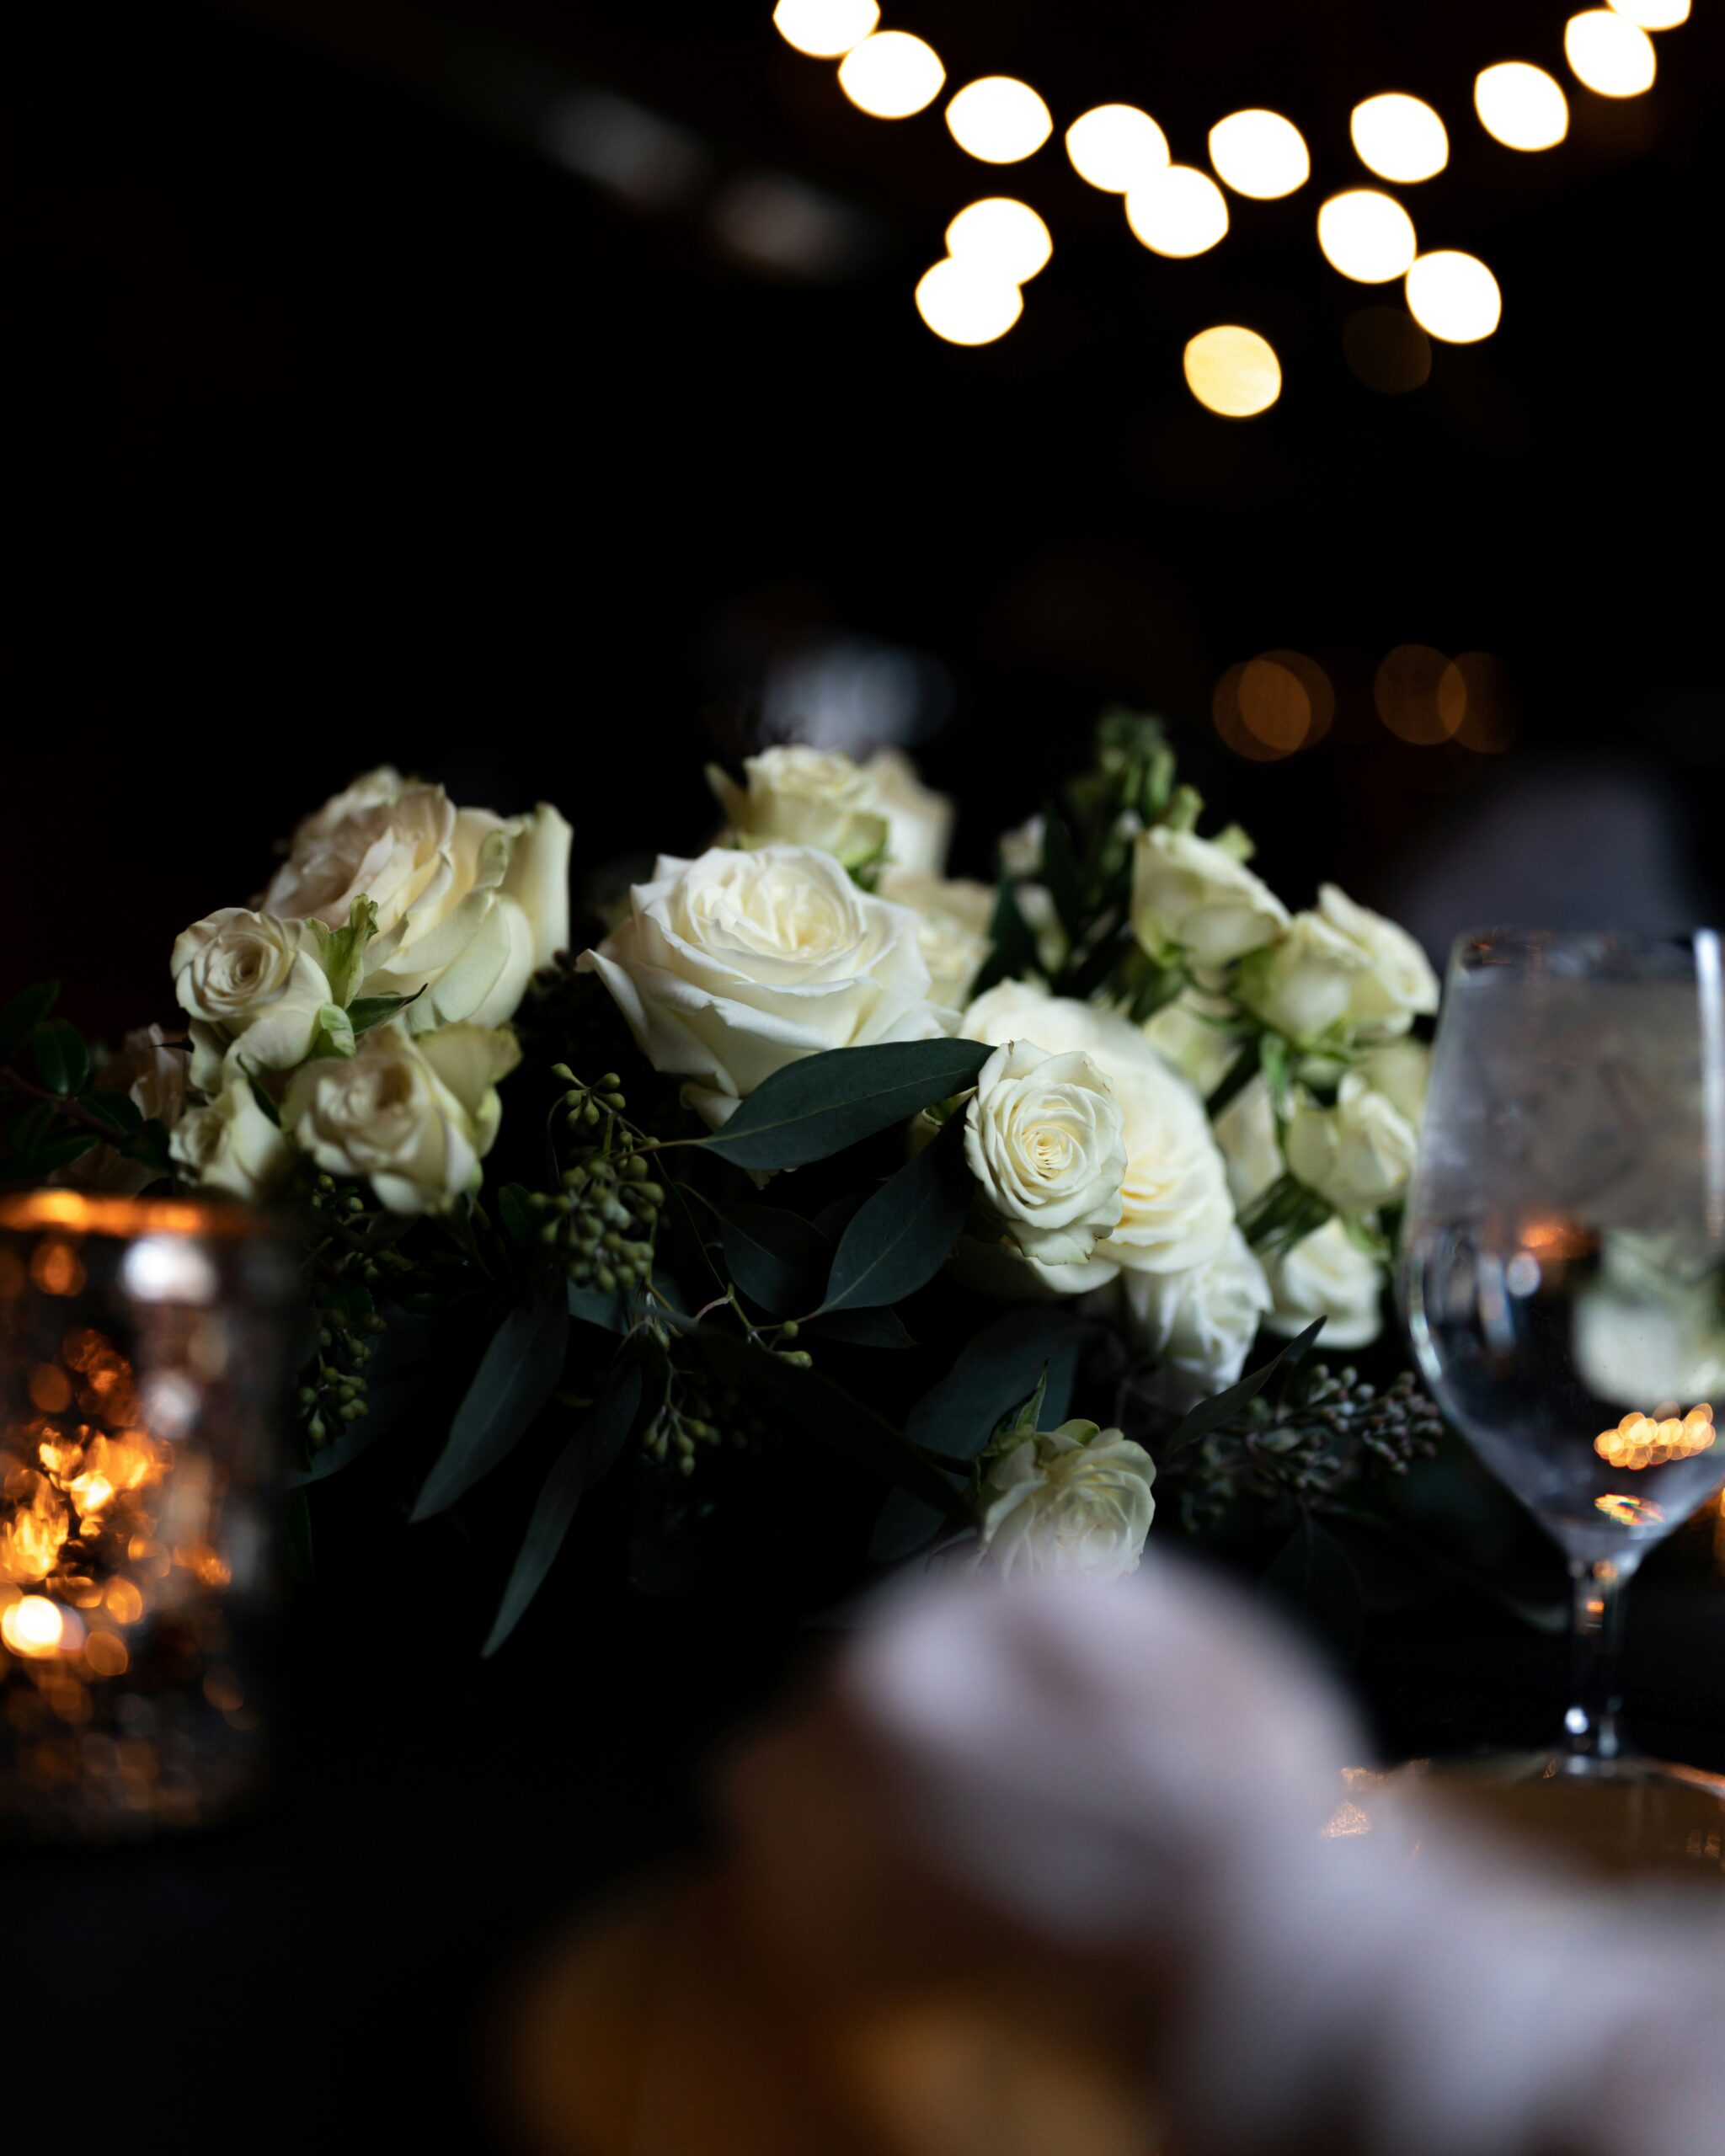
{"type": "Point", "coordinates": [989, 1184]}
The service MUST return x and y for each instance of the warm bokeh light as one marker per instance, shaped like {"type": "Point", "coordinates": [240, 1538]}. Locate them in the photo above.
{"type": "Point", "coordinates": [1180, 211]}
{"type": "Point", "coordinates": [1420, 694]}
{"type": "Point", "coordinates": [891, 74]}
{"type": "Point", "coordinates": [1654, 14]}
{"type": "Point", "coordinates": [1641, 1441]}
{"type": "Point", "coordinates": [1387, 350]}
{"type": "Point", "coordinates": [1399, 138]}
{"type": "Point", "coordinates": [968, 304]}
{"type": "Point", "coordinates": [1608, 53]}
{"type": "Point", "coordinates": [1116, 146]}
{"type": "Point", "coordinates": [1488, 724]}
{"type": "Point", "coordinates": [999, 120]}
{"type": "Point", "coordinates": [32, 1626]}
{"type": "Point", "coordinates": [1367, 236]}
{"type": "Point", "coordinates": [1002, 236]}
{"type": "Point", "coordinates": [1453, 296]}
{"type": "Point", "coordinates": [1268, 707]}
{"type": "Point", "coordinates": [1521, 105]}
{"type": "Point", "coordinates": [825, 28]}
{"type": "Point", "coordinates": [1233, 370]}
{"type": "Point", "coordinates": [1259, 154]}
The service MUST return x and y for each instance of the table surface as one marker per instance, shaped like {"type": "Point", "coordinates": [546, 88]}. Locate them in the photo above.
{"type": "Point", "coordinates": [328, 1966]}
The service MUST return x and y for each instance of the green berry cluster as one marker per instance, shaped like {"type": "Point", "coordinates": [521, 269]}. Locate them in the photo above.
{"type": "Point", "coordinates": [348, 1263]}
{"type": "Point", "coordinates": [604, 1218]}
{"type": "Point", "coordinates": [696, 1416]}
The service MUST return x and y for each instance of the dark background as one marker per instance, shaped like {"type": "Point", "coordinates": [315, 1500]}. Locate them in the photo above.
{"type": "Point", "coordinates": [346, 419]}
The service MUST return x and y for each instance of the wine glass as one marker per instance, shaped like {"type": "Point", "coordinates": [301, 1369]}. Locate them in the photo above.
{"type": "Point", "coordinates": [1564, 1255]}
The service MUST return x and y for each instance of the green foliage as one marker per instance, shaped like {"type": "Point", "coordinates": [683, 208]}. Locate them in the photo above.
{"type": "Point", "coordinates": [516, 1377]}
{"type": "Point", "coordinates": [814, 1108]}
{"type": "Point", "coordinates": [901, 1236]}
{"type": "Point", "coordinates": [56, 1112]}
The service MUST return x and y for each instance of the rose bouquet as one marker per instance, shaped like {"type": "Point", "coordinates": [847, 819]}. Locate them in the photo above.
{"type": "Point", "coordinates": [828, 1185]}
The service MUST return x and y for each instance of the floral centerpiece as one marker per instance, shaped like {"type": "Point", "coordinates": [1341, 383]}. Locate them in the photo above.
{"type": "Point", "coordinates": [812, 1173]}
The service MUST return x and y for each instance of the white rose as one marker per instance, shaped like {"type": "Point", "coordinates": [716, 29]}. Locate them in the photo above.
{"type": "Point", "coordinates": [469, 902]}
{"type": "Point", "coordinates": [1326, 1275]}
{"type": "Point", "coordinates": [919, 821]}
{"type": "Point", "coordinates": [415, 1115]}
{"type": "Point", "coordinates": [732, 966]}
{"type": "Point", "coordinates": [952, 918]}
{"type": "Point", "coordinates": [1246, 1131]}
{"type": "Point", "coordinates": [794, 795]}
{"type": "Point", "coordinates": [232, 1145]}
{"type": "Point", "coordinates": [1174, 1206]}
{"type": "Point", "coordinates": [1190, 1035]}
{"type": "Point", "coordinates": [1191, 896]}
{"type": "Point", "coordinates": [1401, 1070]}
{"type": "Point", "coordinates": [1356, 1156]}
{"type": "Point", "coordinates": [153, 1073]}
{"type": "Point", "coordinates": [1200, 1323]}
{"type": "Point", "coordinates": [251, 978]}
{"type": "Point", "coordinates": [1303, 985]}
{"type": "Point", "coordinates": [1044, 1137]}
{"type": "Point", "coordinates": [1396, 984]}
{"type": "Point", "coordinates": [373, 789]}
{"type": "Point", "coordinates": [1076, 1501]}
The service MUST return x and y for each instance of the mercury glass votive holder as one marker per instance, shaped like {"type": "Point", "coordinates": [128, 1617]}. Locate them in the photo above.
{"type": "Point", "coordinates": [143, 1353]}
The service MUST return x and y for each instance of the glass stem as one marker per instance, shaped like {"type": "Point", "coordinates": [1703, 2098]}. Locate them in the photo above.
{"type": "Point", "coordinates": [1597, 1633]}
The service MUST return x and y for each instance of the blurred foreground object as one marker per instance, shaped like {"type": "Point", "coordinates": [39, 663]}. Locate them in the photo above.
{"type": "Point", "coordinates": [141, 1346]}
{"type": "Point", "coordinates": [1062, 1871]}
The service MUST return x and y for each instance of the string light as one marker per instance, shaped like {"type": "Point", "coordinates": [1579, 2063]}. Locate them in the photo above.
{"type": "Point", "coordinates": [1180, 211]}
{"type": "Point", "coordinates": [968, 303]}
{"type": "Point", "coordinates": [1654, 14]}
{"type": "Point", "coordinates": [1521, 105]}
{"type": "Point", "coordinates": [1233, 372]}
{"type": "Point", "coordinates": [999, 121]}
{"type": "Point", "coordinates": [1002, 236]}
{"type": "Point", "coordinates": [1260, 154]}
{"type": "Point", "coordinates": [1608, 54]}
{"type": "Point", "coordinates": [891, 74]}
{"type": "Point", "coordinates": [1116, 146]}
{"type": "Point", "coordinates": [1367, 236]}
{"type": "Point", "coordinates": [1399, 138]}
{"type": "Point", "coordinates": [1455, 296]}
{"type": "Point", "coordinates": [826, 29]}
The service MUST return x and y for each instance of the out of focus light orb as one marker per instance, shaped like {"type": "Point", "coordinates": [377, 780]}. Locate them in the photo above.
{"type": "Point", "coordinates": [1387, 350]}
{"type": "Point", "coordinates": [891, 74]}
{"type": "Point", "coordinates": [1115, 147]}
{"type": "Point", "coordinates": [1179, 211]}
{"type": "Point", "coordinates": [826, 29]}
{"type": "Point", "coordinates": [1455, 296]}
{"type": "Point", "coordinates": [1259, 154]}
{"type": "Point", "coordinates": [1654, 14]}
{"type": "Point", "coordinates": [999, 120]}
{"type": "Point", "coordinates": [1608, 53]}
{"type": "Point", "coordinates": [1272, 705]}
{"type": "Point", "coordinates": [1233, 370]}
{"type": "Point", "coordinates": [1420, 694]}
{"type": "Point", "coordinates": [967, 303]}
{"type": "Point", "coordinates": [1367, 236]}
{"type": "Point", "coordinates": [1488, 720]}
{"type": "Point", "coordinates": [1399, 138]}
{"type": "Point", "coordinates": [1002, 236]}
{"type": "Point", "coordinates": [1521, 105]}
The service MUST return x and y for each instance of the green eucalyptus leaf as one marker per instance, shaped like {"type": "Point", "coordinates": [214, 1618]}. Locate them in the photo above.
{"type": "Point", "coordinates": [267, 1106]}
{"type": "Point", "coordinates": [62, 1058]}
{"type": "Point", "coordinates": [873, 1328]}
{"type": "Point", "coordinates": [993, 1373]}
{"type": "Point", "coordinates": [1210, 1414]}
{"type": "Point", "coordinates": [1014, 953]}
{"type": "Point", "coordinates": [1061, 873]}
{"type": "Point", "coordinates": [817, 1106]}
{"type": "Point", "coordinates": [516, 1218]}
{"type": "Point", "coordinates": [19, 1017]}
{"type": "Point", "coordinates": [777, 1258]}
{"type": "Point", "coordinates": [588, 1455]}
{"type": "Point", "coordinates": [830, 1412]}
{"type": "Point", "coordinates": [148, 1146]}
{"type": "Point", "coordinates": [369, 1010]}
{"type": "Point", "coordinates": [901, 1237]}
{"type": "Point", "coordinates": [118, 1110]}
{"type": "Point", "coordinates": [517, 1374]}
{"type": "Point", "coordinates": [61, 1151]}
{"type": "Point", "coordinates": [593, 1307]}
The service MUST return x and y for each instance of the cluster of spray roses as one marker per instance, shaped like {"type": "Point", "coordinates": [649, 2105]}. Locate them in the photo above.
{"type": "Point", "coordinates": [358, 1014]}
{"type": "Point", "coordinates": [1203, 1142]}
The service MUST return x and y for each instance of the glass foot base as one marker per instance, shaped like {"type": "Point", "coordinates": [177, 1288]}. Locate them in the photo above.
{"type": "Point", "coordinates": [1624, 1816]}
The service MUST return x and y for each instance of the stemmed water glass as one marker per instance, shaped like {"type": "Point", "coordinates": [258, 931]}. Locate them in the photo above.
{"type": "Point", "coordinates": [1564, 1252]}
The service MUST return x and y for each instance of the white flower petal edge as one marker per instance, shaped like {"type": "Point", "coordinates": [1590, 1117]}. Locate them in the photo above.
{"type": "Point", "coordinates": [1356, 1156]}
{"type": "Point", "coordinates": [1192, 895]}
{"type": "Point", "coordinates": [241, 975]}
{"type": "Point", "coordinates": [733, 965]}
{"type": "Point", "coordinates": [1075, 1502]}
{"type": "Point", "coordinates": [231, 1145]}
{"type": "Point", "coordinates": [1326, 1275]}
{"type": "Point", "coordinates": [1199, 1324]}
